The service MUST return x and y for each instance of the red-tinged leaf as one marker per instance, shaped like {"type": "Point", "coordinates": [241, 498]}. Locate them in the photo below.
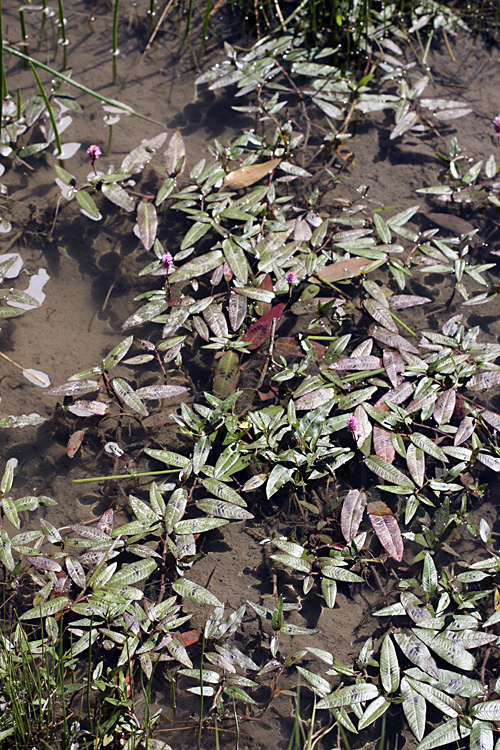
{"type": "Point", "coordinates": [491, 417]}
{"type": "Point", "coordinates": [190, 637]}
{"type": "Point", "coordinates": [465, 430]}
{"type": "Point", "coordinates": [314, 398]}
{"type": "Point", "coordinates": [394, 366]}
{"type": "Point", "coordinates": [380, 314]}
{"type": "Point", "coordinates": [366, 362]}
{"type": "Point", "coordinates": [175, 155]}
{"type": "Point", "coordinates": [400, 301]}
{"type": "Point", "coordinates": [394, 340]}
{"type": "Point", "coordinates": [483, 381]}
{"type": "Point", "coordinates": [386, 528]}
{"type": "Point", "coordinates": [454, 224]}
{"type": "Point", "coordinates": [288, 345]}
{"type": "Point", "coordinates": [84, 408]}
{"type": "Point", "coordinates": [260, 331]}
{"type": "Point", "coordinates": [74, 443]}
{"type": "Point", "coordinates": [226, 375]}
{"type": "Point", "coordinates": [238, 306]}
{"type": "Point", "coordinates": [445, 406]}
{"type": "Point", "coordinates": [353, 508]}
{"type": "Point", "coordinates": [262, 308]}
{"type": "Point", "coordinates": [344, 269]}
{"type": "Point", "coordinates": [320, 349]}
{"type": "Point", "coordinates": [383, 444]}
{"type": "Point", "coordinates": [396, 395]}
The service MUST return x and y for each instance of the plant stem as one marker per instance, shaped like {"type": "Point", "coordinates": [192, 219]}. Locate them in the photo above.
{"type": "Point", "coordinates": [125, 476]}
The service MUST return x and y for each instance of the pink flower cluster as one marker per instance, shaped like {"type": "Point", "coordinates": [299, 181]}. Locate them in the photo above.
{"type": "Point", "coordinates": [353, 427]}
{"type": "Point", "coordinates": [496, 125]}
{"type": "Point", "coordinates": [167, 262]}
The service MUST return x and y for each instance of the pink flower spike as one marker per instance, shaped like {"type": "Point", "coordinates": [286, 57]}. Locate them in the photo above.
{"type": "Point", "coordinates": [93, 152]}
{"type": "Point", "coordinates": [167, 262]}
{"type": "Point", "coordinates": [353, 427]}
{"type": "Point", "coordinates": [291, 278]}
{"type": "Point", "coordinates": [496, 125]}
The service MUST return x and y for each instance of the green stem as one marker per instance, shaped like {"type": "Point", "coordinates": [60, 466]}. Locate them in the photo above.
{"type": "Point", "coordinates": [398, 320]}
{"type": "Point", "coordinates": [81, 87]}
{"type": "Point", "coordinates": [49, 108]}
{"type": "Point", "coordinates": [125, 476]}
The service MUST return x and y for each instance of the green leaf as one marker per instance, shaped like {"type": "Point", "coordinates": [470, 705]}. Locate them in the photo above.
{"type": "Point", "coordinates": [429, 576]}
{"type": "Point", "coordinates": [198, 525]}
{"type": "Point", "coordinates": [47, 609]}
{"type": "Point", "coordinates": [279, 476]}
{"type": "Point", "coordinates": [320, 686]}
{"type": "Point", "coordinates": [329, 591]}
{"type": "Point", "coordinates": [489, 710]}
{"type": "Point", "coordinates": [118, 196]}
{"type": "Point", "coordinates": [224, 510]}
{"type": "Point", "coordinates": [428, 446]}
{"type": "Point", "coordinates": [6, 550]}
{"type": "Point", "coordinates": [481, 736]}
{"type": "Point", "coordinates": [87, 204]}
{"type": "Point", "coordinates": [386, 471]}
{"type": "Point", "coordinates": [143, 512]}
{"type": "Point", "coordinates": [126, 393]}
{"type": "Point", "coordinates": [175, 508]}
{"type": "Point", "coordinates": [195, 233]}
{"type": "Point", "coordinates": [147, 221]}
{"type": "Point", "coordinates": [389, 666]}
{"type": "Point", "coordinates": [235, 257]}
{"type": "Point", "coordinates": [373, 711]}
{"type": "Point", "coordinates": [222, 491]}
{"type": "Point", "coordinates": [168, 457]}
{"type": "Point", "coordinates": [8, 476]}
{"type": "Point", "coordinates": [451, 652]}
{"type": "Point", "coordinates": [117, 354]}
{"type": "Point", "coordinates": [451, 731]}
{"type": "Point", "coordinates": [134, 572]}
{"type": "Point", "coordinates": [414, 708]}
{"type": "Point", "coordinates": [195, 593]}
{"type": "Point", "coordinates": [341, 574]}
{"type": "Point", "coordinates": [347, 696]}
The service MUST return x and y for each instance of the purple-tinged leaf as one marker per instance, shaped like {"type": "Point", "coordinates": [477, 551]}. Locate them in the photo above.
{"type": "Point", "coordinates": [483, 381]}
{"type": "Point", "coordinates": [367, 362]}
{"type": "Point", "coordinates": [88, 408]}
{"type": "Point", "coordinates": [44, 563]}
{"type": "Point", "coordinates": [106, 522]}
{"type": "Point", "coordinates": [397, 395]}
{"type": "Point", "coordinates": [215, 320]}
{"type": "Point", "coordinates": [313, 399]}
{"type": "Point", "coordinates": [175, 155]}
{"type": "Point", "coordinates": [147, 221]}
{"type": "Point", "coordinates": [380, 314]}
{"type": "Point", "coordinates": [394, 366]}
{"type": "Point", "coordinates": [362, 349]}
{"type": "Point", "coordinates": [417, 652]}
{"type": "Point", "coordinates": [383, 444]}
{"type": "Point", "coordinates": [262, 308]}
{"type": "Point", "coordinates": [353, 508]}
{"type": "Point", "coordinates": [400, 301]}
{"type": "Point", "coordinates": [76, 388]}
{"type": "Point", "coordinates": [445, 406]}
{"type": "Point", "coordinates": [394, 340]}
{"type": "Point", "coordinates": [386, 528]}
{"type": "Point", "coordinates": [201, 327]}
{"type": "Point", "coordinates": [152, 392]}
{"type": "Point", "coordinates": [238, 307]}
{"type": "Point", "coordinates": [226, 375]}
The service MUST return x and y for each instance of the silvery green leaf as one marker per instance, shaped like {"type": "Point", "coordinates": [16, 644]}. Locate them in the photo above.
{"type": "Point", "coordinates": [386, 471]}
{"type": "Point", "coordinates": [8, 475]}
{"type": "Point", "coordinates": [198, 266]}
{"type": "Point", "coordinates": [221, 509]}
{"type": "Point", "coordinates": [175, 508]}
{"type": "Point", "coordinates": [346, 403]}
{"type": "Point", "coordinates": [329, 591]}
{"type": "Point", "coordinates": [429, 576]}
{"type": "Point", "coordinates": [222, 491]}
{"type": "Point", "coordinates": [195, 593]}
{"type": "Point", "coordinates": [84, 643]}
{"type": "Point", "coordinates": [23, 420]}
{"type": "Point", "coordinates": [290, 629]}
{"type": "Point", "coordinates": [450, 731]}
{"type": "Point", "coordinates": [414, 708]}
{"type": "Point", "coordinates": [169, 458]}
{"type": "Point", "coordinates": [236, 260]}
{"type": "Point", "coordinates": [341, 574]}
{"type": "Point", "coordinates": [417, 652]}
{"type": "Point", "coordinates": [77, 388]}
{"type": "Point", "coordinates": [147, 221]}
{"type": "Point", "coordinates": [451, 652]}
{"type": "Point", "coordinates": [128, 650]}
{"type": "Point", "coordinates": [414, 608]}
{"type": "Point", "coordinates": [207, 675]}
{"type": "Point", "coordinates": [373, 711]}
{"type": "Point", "coordinates": [145, 313]}
{"type": "Point", "coordinates": [342, 717]}
{"type": "Point", "coordinates": [198, 525]}
{"type": "Point", "coordinates": [156, 500]}
{"type": "Point", "coordinates": [177, 650]}
{"type": "Point", "coordinates": [438, 698]}
{"type": "Point", "coordinates": [451, 682]}
{"type": "Point", "coordinates": [347, 696]}
{"type": "Point", "coordinates": [471, 638]}
{"type": "Point", "coordinates": [481, 736]}
{"type": "Point", "coordinates": [75, 571]}
{"type": "Point", "coordinates": [390, 611]}
{"type": "Point", "coordinates": [134, 572]}
{"type": "Point", "coordinates": [255, 293]}
{"type": "Point", "coordinates": [200, 453]}
{"type": "Point", "coordinates": [142, 550]}
{"type": "Point", "coordinates": [279, 476]}
{"type": "Point", "coordinates": [428, 446]}
{"type": "Point", "coordinates": [6, 550]}
{"type": "Point", "coordinates": [495, 617]}
{"type": "Point", "coordinates": [236, 657]}
{"type": "Point", "coordinates": [296, 563]}
{"type": "Point", "coordinates": [126, 393]}
{"type": "Point", "coordinates": [10, 511]}
{"type": "Point", "coordinates": [290, 548]}
{"type": "Point", "coordinates": [489, 711]}
{"type": "Point", "coordinates": [47, 609]}
{"type": "Point", "coordinates": [492, 462]}
{"type": "Point", "coordinates": [87, 204]}
{"type": "Point", "coordinates": [143, 512]}
{"type": "Point", "coordinates": [389, 666]}
{"type": "Point", "coordinates": [118, 196]}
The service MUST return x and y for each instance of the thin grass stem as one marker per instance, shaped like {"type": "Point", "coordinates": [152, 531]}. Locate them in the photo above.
{"type": "Point", "coordinates": [125, 476]}
{"type": "Point", "coordinates": [49, 109]}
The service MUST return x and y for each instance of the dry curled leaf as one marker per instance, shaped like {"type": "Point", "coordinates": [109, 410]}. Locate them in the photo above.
{"type": "Point", "coordinates": [246, 176]}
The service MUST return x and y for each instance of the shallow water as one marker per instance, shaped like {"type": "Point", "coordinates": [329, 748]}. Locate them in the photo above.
{"type": "Point", "coordinates": [93, 269]}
